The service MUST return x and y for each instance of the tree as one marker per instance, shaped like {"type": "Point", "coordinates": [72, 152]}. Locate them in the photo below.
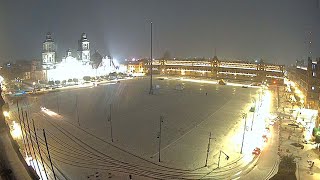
{"type": "Point", "coordinates": [51, 83]}
{"type": "Point", "coordinates": [75, 80]}
{"type": "Point", "coordinates": [287, 164]}
{"type": "Point", "coordinates": [86, 78]}
{"type": "Point", "coordinates": [64, 82]}
{"type": "Point", "coordinates": [57, 82]}
{"type": "Point", "coordinates": [113, 74]}
{"type": "Point", "coordinates": [69, 80]}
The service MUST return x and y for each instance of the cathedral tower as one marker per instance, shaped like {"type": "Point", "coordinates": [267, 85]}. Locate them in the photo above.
{"type": "Point", "coordinates": [84, 49]}
{"type": "Point", "coordinates": [48, 51]}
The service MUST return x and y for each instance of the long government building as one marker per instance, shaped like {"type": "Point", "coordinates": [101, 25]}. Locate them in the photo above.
{"type": "Point", "coordinates": [212, 68]}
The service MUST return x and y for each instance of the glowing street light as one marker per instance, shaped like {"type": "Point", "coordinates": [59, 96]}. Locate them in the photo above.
{"type": "Point", "coordinates": [6, 114]}
{"type": "Point", "coordinates": [16, 131]}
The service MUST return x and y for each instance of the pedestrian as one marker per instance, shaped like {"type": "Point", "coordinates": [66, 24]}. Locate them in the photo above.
{"type": "Point", "coordinates": [206, 93]}
{"type": "Point", "coordinates": [130, 177]}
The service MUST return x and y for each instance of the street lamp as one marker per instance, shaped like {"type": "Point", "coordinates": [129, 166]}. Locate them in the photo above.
{"type": "Point", "coordinates": [227, 157]}
{"type": "Point", "coordinates": [244, 116]}
{"type": "Point", "coordinates": [34, 86]}
{"type": "Point", "coordinates": [208, 150]}
{"type": "Point", "coordinates": [159, 135]}
{"type": "Point", "coordinates": [253, 111]}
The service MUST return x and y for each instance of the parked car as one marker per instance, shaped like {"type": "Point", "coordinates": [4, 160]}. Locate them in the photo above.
{"type": "Point", "coordinates": [256, 151]}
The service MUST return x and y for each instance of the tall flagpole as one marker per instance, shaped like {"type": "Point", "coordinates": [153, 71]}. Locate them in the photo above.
{"type": "Point", "coordinates": [151, 90]}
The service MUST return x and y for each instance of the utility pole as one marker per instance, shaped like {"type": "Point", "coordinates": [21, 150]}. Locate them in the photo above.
{"type": "Point", "coordinates": [77, 109]}
{"type": "Point", "coordinates": [151, 89]}
{"type": "Point", "coordinates": [244, 116]}
{"type": "Point", "coordinates": [45, 139]}
{"type": "Point", "coordinates": [34, 152]}
{"type": "Point", "coordinates": [110, 120]}
{"type": "Point", "coordinates": [37, 142]}
{"type": "Point", "coordinates": [208, 150]}
{"type": "Point", "coordinates": [160, 127]}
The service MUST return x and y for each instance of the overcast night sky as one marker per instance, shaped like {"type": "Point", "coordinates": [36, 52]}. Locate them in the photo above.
{"type": "Point", "coordinates": [275, 30]}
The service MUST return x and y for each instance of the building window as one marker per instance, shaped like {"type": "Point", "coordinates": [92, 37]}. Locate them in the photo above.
{"type": "Point", "coordinates": [313, 74]}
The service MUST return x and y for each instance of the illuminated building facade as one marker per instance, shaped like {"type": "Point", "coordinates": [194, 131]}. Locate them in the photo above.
{"type": "Point", "coordinates": [213, 68]}
{"type": "Point", "coordinates": [48, 52]}
{"type": "Point", "coordinates": [136, 68]}
{"type": "Point", "coordinates": [70, 67]}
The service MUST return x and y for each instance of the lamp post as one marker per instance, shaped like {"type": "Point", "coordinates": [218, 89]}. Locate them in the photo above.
{"type": "Point", "coordinates": [159, 136]}
{"type": "Point", "coordinates": [227, 157]}
{"type": "Point", "coordinates": [110, 120]}
{"type": "Point", "coordinates": [244, 116]}
{"type": "Point", "coordinates": [208, 150]}
{"type": "Point", "coordinates": [58, 103]}
{"type": "Point", "coordinates": [254, 110]}
{"type": "Point", "coordinates": [77, 110]}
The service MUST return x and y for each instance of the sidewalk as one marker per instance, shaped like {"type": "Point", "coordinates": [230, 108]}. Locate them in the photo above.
{"type": "Point", "coordinates": [290, 135]}
{"type": "Point", "coordinates": [9, 156]}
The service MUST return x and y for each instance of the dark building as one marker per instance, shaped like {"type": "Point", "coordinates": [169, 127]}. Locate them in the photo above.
{"type": "Point", "coordinates": [307, 78]}
{"type": "Point", "coordinates": [96, 59]}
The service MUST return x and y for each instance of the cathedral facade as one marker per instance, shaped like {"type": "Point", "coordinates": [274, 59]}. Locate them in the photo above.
{"type": "Point", "coordinates": [83, 64]}
{"type": "Point", "coordinates": [49, 58]}
{"type": "Point", "coordinates": [48, 52]}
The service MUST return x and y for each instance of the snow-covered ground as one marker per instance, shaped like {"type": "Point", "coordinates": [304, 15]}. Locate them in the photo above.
{"type": "Point", "coordinates": [189, 116]}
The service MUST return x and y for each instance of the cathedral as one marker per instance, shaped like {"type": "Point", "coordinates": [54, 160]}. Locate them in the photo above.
{"type": "Point", "coordinates": [49, 58]}
{"type": "Point", "coordinates": [69, 67]}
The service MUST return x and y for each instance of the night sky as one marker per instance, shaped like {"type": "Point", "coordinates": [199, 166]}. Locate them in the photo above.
{"type": "Point", "coordinates": [275, 30]}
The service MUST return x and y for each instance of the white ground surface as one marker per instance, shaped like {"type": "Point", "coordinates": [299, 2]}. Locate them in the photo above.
{"type": "Point", "coordinates": [189, 116]}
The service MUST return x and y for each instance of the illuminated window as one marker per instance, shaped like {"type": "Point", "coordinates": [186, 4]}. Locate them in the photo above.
{"type": "Point", "coordinates": [314, 74]}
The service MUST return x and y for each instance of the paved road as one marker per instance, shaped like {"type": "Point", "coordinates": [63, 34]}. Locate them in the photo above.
{"type": "Point", "coordinates": [267, 164]}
